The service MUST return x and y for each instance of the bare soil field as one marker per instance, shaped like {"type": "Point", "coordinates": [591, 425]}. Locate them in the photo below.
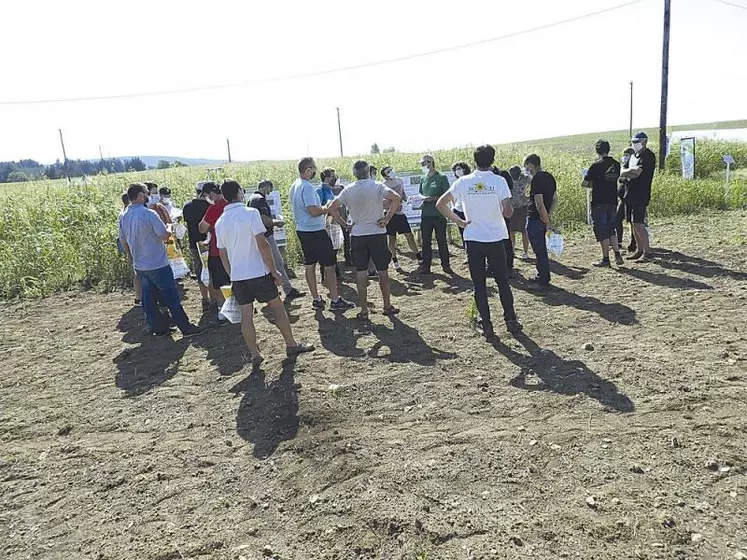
{"type": "Point", "coordinates": [615, 426]}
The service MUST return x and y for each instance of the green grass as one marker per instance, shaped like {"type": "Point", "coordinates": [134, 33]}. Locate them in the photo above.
{"type": "Point", "coordinates": [57, 237]}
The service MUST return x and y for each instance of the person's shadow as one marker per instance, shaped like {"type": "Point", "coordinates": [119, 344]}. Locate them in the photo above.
{"type": "Point", "coordinates": [268, 412]}
{"type": "Point", "coordinates": [572, 273]}
{"type": "Point", "coordinates": [557, 296]}
{"type": "Point", "coordinates": [340, 335]}
{"type": "Point", "coordinates": [405, 345]}
{"type": "Point", "coordinates": [454, 282]}
{"type": "Point", "coordinates": [674, 260]}
{"type": "Point", "coordinates": [152, 363]}
{"type": "Point", "coordinates": [566, 377]}
{"type": "Point", "coordinates": [663, 280]}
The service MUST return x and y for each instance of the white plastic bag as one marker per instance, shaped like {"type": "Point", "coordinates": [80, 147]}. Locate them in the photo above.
{"type": "Point", "coordinates": [205, 274]}
{"type": "Point", "coordinates": [555, 243]}
{"type": "Point", "coordinates": [231, 310]}
{"type": "Point", "coordinates": [335, 234]}
{"type": "Point", "coordinates": [176, 259]}
{"type": "Point", "coordinates": [180, 230]}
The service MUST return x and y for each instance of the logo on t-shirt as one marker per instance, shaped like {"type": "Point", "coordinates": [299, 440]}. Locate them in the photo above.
{"type": "Point", "coordinates": [481, 188]}
{"type": "Point", "coordinates": [611, 174]}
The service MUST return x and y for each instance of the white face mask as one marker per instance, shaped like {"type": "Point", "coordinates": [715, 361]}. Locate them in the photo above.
{"type": "Point", "coordinates": [458, 172]}
{"type": "Point", "coordinates": [166, 200]}
{"type": "Point", "coordinates": [391, 174]}
{"type": "Point", "coordinates": [154, 199]}
{"type": "Point", "coordinates": [637, 147]}
{"type": "Point", "coordinates": [527, 172]}
{"type": "Point", "coordinates": [425, 169]}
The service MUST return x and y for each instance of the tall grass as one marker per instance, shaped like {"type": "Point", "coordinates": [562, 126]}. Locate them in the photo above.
{"type": "Point", "coordinates": [56, 237]}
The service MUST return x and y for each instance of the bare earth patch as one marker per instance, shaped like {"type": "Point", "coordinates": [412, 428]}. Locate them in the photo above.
{"type": "Point", "coordinates": [614, 427]}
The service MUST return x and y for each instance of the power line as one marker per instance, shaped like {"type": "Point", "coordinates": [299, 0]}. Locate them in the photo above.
{"type": "Point", "coordinates": [732, 4]}
{"type": "Point", "coordinates": [323, 72]}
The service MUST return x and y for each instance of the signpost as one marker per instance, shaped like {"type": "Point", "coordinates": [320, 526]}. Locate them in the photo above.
{"type": "Point", "coordinates": [729, 161]}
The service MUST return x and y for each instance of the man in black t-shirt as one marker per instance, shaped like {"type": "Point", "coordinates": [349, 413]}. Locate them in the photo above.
{"type": "Point", "coordinates": [640, 173]}
{"type": "Point", "coordinates": [602, 179]}
{"type": "Point", "coordinates": [259, 201]}
{"type": "Point", "coordinates": [622, 211]}
{"type": "Point", "coordinates": [542, 192]}
{"type": "Point", "coordinates": [193, 213]}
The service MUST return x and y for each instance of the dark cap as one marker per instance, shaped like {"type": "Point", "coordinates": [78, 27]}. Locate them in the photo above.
{"type": "Point", "coordinates": [164, 191]}
{"type": "Point", "coordinates": [639, 136]}
{"type": "Point", "coordinates": [265, 183]}
{"type": "Point", "coordinates": [426, 158]}
{"type": "Point", "coordinates": [210, 187]}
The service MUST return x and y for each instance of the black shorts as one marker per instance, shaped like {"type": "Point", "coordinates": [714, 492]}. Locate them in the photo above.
{"type": "Point", "coordinates": [218, 275]}
{"type": "Point", "coordinates": [636, 213]}
{"type": "Point", "coordinates": [317, 247]}
{"type": "Point", "coordinates": [370, 247]}
{"type": "Point", "coordinates": [398, 224]}
{"type": "Point", "coordinates": [604, 217]}
{"type": "Point", "coordinates": [262, 289]}
{"type": "Point", "coordinates": [196, 262]}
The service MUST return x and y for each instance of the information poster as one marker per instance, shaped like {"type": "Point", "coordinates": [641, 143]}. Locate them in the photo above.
{"type": "Point", "coordinates": [687, 153]}
{"type": "Point", "coordinates": [276, 207]}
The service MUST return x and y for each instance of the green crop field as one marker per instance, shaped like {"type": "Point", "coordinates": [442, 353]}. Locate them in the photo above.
{"type": "Point", "coordinates": [57, 237]}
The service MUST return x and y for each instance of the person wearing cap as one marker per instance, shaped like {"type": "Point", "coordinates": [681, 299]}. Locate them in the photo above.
{"type": "Point", "coordinates": [365, 202]}
{"type": "Point", "coordinates": [193, 213]}
{"type": "Point", "coordinates": [602, 178]}
{"type": "Point", "coordinates": [486, 200]}
{"type": "Point", "coordinates": [241, 238]}
{"type": "Point", "coordinates": [218, 275]}
{"type": "Point", "coordinates": [259, 202]}
{"type": "Point", "coordinates": [143, 234]}
{"type": "Point", "coordinates": [432, 186]}
{"type": "Point", "coordinates": [542, 191]}
{"type": "Point", "coordinates": [640, 173]}
{"type": "Point", "coordinates": [622, 207]}
{"type": "Point", "coordinates": [399, 223]}
{"type": "Point", "coordinates": [310, 217]}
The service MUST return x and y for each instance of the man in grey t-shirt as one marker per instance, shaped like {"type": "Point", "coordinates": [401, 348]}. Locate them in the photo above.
{"type": "Point", "coordinates": [365, 203]}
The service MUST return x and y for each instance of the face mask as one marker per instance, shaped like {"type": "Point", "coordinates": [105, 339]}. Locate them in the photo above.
{"type": "Point", "coordinates": [458, 172]}
{"type": "Point", "coordinates": [210, 200]}
{"type": "Point", "coordinates": [154, 198]}
{"type": "Point", "coordinates": [637, 147]}
{"type": "Point", "coordinates": [312, 175]}
{"type": "Point", "coordinates": [166, 200]}
{"type": "Point", "coordinates": [527, 172]}
{"type": "Point", "coordinates": [425, 169]}
{"type": "Point", "coordinates": [392, 174]}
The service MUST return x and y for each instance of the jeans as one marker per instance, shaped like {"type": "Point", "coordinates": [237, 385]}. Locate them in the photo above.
{"type": "Point", "coordinates": [160, 282]}
{"type": "Point", "coordinates": [461, 230]}
{"type": "Point", "coordinates": [536, 230]}
{"type": "Point", "coordinates": [427, 225]}
{"type": "Point", "coordinates": [279, 263]}
{"type": "Point", "coordinates": [495, 254]}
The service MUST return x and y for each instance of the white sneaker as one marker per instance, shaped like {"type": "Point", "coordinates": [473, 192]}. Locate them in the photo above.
{"type": "Point", "coordinates": [524, 256]}
{"type": "Point", "coordinates": [396, 265]}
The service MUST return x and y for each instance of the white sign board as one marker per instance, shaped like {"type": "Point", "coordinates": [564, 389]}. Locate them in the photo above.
{"type": "Point", "coordinates": [276, 208]}
{"type": "Point", "coordinates": [728, 160]}
{"type": "Point", "coordinates": [687, 153]}
{"type": "Point", "coordinates": [413, 206]}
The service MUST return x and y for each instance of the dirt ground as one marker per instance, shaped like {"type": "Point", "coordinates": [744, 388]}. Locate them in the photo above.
{"type": "Point", "coordinates": [614, 427]}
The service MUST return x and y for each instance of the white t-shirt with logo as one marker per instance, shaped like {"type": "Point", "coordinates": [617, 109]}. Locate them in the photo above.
{"type": "Point", "coordinates": [481, 194]}
{"type": "Point", "coordinates": [235, 232]}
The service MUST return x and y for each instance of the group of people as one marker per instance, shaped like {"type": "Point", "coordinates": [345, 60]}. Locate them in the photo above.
{"type": "Point", "coordinates": [489, 206]}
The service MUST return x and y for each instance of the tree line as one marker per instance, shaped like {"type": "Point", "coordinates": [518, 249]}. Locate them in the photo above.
{"type": "Point", "coordinates": [30, 170]}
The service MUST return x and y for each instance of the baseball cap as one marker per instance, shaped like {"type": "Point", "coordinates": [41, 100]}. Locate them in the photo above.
{"type": "Point", "coordinates": [210, 187]}
{"type": "Point", "coordinates": [426, 157]}
{"type": "Point", "coordinates": [639, 136]}
{"type": "Point", "coordinates": [265, 183]}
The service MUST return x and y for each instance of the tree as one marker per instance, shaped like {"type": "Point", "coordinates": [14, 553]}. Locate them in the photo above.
{"type": "Point", "coordinates": [390, 150]}
{"type": "Point", "coordinates": [178, 163]}
{"type": "Point", "coordinates": [17, 177]}
{"type": "Point", "coordinates": [375, 148]}
{"type": "Point", "coordinates": [163, 164]}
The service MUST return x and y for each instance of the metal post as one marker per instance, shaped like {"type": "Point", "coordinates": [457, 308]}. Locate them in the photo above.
{"type": "Point", "coordinates": [339, 131]}
{"type": "Point", "coordinates": [64, 157]}
{"type": "Point", "coordinates": [631, 110]}
{"type": "Point", "coordinates": [664, 85]}
{"type": "Point", "coordinates": [228, 145]}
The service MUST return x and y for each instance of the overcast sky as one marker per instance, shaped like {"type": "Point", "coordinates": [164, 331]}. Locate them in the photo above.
{"type": "Point", "coordinates": [566, 79]}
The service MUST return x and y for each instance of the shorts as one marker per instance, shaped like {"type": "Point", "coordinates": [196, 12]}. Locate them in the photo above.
{"type": "Point", "coordinates": [196, 262]}
{"type": "Point", "coordinates": [317, 247]}
{"type": "Point", "coordinates": [370, 247]}
{"type": "Point", "coordinates": [218, 275]}
{"type": "Point", "coordinates": [604, 218]}
{"type": "Point", "coordinates": [518, 221]}
{"type": "Point", "coordinates": [262, 290]}
{"type": "Point", "coordinates": [398, 224]}
{"type": "Point", "coordinates": [636, 213]}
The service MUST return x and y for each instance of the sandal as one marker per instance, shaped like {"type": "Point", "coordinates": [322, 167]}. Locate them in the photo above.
{"type": "Point", "coordinates": [391, 310]}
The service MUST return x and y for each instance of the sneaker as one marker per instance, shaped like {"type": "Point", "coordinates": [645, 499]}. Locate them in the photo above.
{"type": "Point", "coordinates": [539, 282]}
{"type": "Point", "coordinates": [318, 304]}
{"type": "Point", "coordinates": [341, 305]}
{"type": "Point", "coordinates": [300, 348]}
{"type": "Point", "coordinates": [513, 326]}
{"type": "Point", "coordinates": [193, 330]}
{"type": "Point", "coordinates": [137, 303]}
{"type": "Point", "coordinates": [618, 259]}
{"type": "Point", "coordinates": [167, 332]}
{"type": "Point", "coordinates": [487, 329]}
{"type": "Point", "coordinates": [396, 266]}
{"type": "Point", "coordinates": [635, 256]}
{"type": "Point", "coordinates": [294, 294]}
{"type": "Point", "coordinates": [632, 248]}
{"type": "Point", "coordinates": [604, 263]}
{"type": "Point", "coordinates": [524, 256]}
{"type": "Point", "coordinates": [419, 256]}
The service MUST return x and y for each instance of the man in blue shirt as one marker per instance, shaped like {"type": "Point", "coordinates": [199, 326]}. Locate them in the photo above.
{"type": "Point", "coordinates": [310, 217]}
{"type": "Point", "coordinates": [143, 234]}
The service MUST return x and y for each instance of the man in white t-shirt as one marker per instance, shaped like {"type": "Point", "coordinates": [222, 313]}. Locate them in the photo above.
{"type": "Point", "coordinates": [486, 202]}
{"type": "Point", "coordinates": [247, 258]}
{"type": "Point", "coordinates": [364, 200]}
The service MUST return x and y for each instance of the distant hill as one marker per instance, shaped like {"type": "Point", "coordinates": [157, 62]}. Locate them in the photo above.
{"type": "Point", "coordinates": [152, 161]}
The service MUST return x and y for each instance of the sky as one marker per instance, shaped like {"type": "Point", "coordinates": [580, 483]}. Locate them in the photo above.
{"type": "Point", "coordinates": [567, 79]}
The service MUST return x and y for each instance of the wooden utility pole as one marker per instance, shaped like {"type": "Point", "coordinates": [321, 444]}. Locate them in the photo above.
{"type": "Point", "coordinates": [64, 157]}
{"type": "Point", "coordinates": [664, 85]}
{"type": "Point", "coordinates": [228, 145]}
{"type": "Point", "coordinates": [339, 131]}
{"type": "Point", "coordinates": [631, 109]}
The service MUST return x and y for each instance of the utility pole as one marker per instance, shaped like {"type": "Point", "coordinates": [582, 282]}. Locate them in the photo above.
{"type": "Point", "coordinates": [101, 154]}
{"type": "Point", "coordinates": [228, 145]}
{"type": "Point", "coordinates": [631, 109]}
{"type": "Point", "coordinates": [339, 130]}
{"type": "Point", "coordinates": [664, 85]}
{"type": "Point", "coordinates": [64, 157]}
